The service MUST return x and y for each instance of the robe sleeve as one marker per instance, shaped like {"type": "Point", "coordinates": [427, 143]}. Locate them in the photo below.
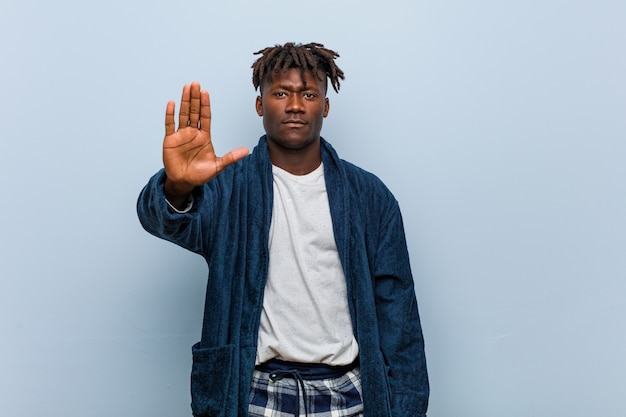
{"type": "Point", "coordinates": [184, 229]}
{"type": "Point", "coordinates": [400, 331]}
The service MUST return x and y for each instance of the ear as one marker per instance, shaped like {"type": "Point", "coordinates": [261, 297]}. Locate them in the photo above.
{"type": "Point", "coordinates": [326, 106]}
{"type": "Point", "coordinates": [259, 106]}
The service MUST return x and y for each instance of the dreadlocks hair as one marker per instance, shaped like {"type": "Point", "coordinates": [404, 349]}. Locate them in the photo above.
{"type": "Point", "coordinates": [310, 57]}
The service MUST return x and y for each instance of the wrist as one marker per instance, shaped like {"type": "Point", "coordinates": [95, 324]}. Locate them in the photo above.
{"type": "Point", "coordinates": [180, 210]}
{"type": "Point", "coordinates": [177, 194]}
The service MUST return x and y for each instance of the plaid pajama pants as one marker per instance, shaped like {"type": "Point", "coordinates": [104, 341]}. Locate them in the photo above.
{"type": "Point", "coordinates": [284, 389]}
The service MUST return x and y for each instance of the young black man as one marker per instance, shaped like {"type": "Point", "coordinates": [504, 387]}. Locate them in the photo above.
{"type": "Point", "coordinates": [310, 304]}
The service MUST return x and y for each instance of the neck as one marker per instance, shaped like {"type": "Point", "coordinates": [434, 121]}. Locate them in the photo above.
{"type": "Point", "coordinates": [296, 161]}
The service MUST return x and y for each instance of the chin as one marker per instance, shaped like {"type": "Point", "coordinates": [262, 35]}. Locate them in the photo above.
{"type": "Point", "coordinates": [293, 143]}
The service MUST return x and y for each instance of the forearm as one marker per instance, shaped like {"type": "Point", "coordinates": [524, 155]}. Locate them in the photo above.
{"type": "Point", "coordinates": [402, 345]}
{"type": "Point", "coordinates": [401, 338]}
{"type": "Point", "coordinates": [186, 230]}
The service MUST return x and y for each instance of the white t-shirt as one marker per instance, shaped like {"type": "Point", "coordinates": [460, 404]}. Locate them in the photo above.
{"type": "Point", "coordinates": [305, 315]}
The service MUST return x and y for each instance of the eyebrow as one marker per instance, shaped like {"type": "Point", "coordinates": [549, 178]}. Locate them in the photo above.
{"type": "Point", "coordinates": [290, 87]}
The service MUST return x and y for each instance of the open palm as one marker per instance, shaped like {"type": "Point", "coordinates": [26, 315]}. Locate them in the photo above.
{"type": "Point", "coordinates": [188, 155]}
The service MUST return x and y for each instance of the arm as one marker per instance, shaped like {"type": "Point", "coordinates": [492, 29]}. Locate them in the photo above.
{"type": "Point", "coordinates": [187, 229]}
{"type": "Point", "coordinates": [190, 163]}
{"type": "Point", "coordinates": [401, 338]}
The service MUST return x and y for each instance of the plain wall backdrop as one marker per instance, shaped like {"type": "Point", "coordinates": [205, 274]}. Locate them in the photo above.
{"type": "Point", "coordinates": [500, 126]}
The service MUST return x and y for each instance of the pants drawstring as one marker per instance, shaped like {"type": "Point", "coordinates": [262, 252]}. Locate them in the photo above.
{"type": "Point", "coordinates": [300, 387]}
{"type": "Point", "coordinates": [301, 372]}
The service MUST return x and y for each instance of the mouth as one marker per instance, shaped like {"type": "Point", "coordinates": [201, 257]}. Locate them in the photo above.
{"type": "Point", "coordinates": [294, 122]}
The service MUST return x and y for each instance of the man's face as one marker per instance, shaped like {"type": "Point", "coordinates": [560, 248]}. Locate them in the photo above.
{"type": "Point", "coordinates": [292, 111]}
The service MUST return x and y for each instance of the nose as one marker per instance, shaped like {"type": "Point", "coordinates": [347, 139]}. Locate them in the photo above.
{"type": "Point", "coordinates": [295, 104]}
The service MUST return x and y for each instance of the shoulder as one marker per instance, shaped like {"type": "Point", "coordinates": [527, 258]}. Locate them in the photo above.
{"type": "Point", "coordinates": [370, 196]}
{"type": "Point", "coordinates": [365, 181]}
{"type": "Point", "coordinates": [364, 187]}
{"type": "Point", "coordinates": [356, 176]}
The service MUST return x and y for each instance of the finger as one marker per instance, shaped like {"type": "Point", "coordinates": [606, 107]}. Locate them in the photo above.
{"type": "Point", "coordinates": [205, 112]}
{"type": "Point", "coordinates": [194, 110]}
{"type": "Point", "coordinates": [230, 158]}
{"type": "Point", "coordinates": [170, 125]}
{"type": "Point", "coordinates": [183, 115]}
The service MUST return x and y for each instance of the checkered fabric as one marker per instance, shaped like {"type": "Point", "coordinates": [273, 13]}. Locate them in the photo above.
{"type": "Point", "coordinates": [286, 397]}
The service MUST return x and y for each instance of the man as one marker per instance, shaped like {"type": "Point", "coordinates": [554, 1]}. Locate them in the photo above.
{"type": "Point", "coordinates": [310, 304]}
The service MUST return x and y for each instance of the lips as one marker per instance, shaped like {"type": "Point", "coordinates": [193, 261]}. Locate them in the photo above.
{"type": "Point", "coordinates": [294, 122]}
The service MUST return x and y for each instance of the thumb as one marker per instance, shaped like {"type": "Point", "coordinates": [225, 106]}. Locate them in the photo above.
{"type": "Point", "coordinates": [232, 157]}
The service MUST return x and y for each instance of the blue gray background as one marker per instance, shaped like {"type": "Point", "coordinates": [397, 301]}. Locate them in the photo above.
{"type": "Point", "coordinates": [499, 125]}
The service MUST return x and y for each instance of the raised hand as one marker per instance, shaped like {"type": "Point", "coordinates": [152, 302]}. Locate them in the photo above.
{"type": "Point", "coordinates": [188, 155]}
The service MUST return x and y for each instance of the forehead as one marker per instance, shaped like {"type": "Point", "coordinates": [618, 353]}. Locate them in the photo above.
{"type": "Point", "coordinates": [292, 77]}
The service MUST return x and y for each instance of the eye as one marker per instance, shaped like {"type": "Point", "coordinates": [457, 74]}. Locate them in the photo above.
{"type": "Point", "coordinates": [280, 94]}
{"type": "Point", "coordinates": [309, 95]}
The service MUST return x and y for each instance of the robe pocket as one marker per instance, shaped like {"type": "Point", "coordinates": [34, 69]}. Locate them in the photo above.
{"type": "Point", "coordinates": [210, 378]}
